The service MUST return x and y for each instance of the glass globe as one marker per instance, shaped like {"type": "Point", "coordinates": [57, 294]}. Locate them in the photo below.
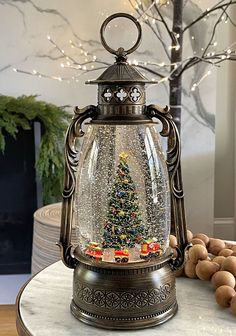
{"type": "Point", "coordinates": [122, 199]}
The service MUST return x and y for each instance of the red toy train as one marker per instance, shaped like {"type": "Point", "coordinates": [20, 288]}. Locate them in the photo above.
{"type": "Point", "coordinates": [122, 255]}
{"type": "Point", "coordinates": [149, 248]}
{"type": "Point", "coordinates": [94, 251]}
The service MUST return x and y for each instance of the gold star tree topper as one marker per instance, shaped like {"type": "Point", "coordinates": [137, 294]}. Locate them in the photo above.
{"type": "Point", "coordinates": [123, 156]}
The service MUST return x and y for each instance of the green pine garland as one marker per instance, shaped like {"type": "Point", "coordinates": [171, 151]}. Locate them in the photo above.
{"type": "Point", "coordinates": [16, 113]}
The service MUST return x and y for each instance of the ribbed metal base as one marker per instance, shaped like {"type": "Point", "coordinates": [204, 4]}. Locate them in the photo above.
{"type": "Point", "coordinates": [124, 296]}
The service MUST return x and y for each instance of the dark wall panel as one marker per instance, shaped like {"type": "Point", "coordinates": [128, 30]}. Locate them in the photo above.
{"type": "Point", "coordinates": [17, 203]}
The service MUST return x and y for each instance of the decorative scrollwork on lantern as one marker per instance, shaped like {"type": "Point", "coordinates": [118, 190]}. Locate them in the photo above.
{"type": "Point", "coordinates": [178, 222]}
{"type": "Point", "coordinates": [71, 163]}
{"type": "Point", "coordinates": [122, 300]}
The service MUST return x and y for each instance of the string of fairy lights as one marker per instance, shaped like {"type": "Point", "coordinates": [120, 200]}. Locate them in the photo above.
{"type": "Point", "coordinates": [163, 71]}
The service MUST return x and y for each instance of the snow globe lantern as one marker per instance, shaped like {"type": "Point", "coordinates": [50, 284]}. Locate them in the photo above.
{"type": "Point", "coordinates": [124, 197]}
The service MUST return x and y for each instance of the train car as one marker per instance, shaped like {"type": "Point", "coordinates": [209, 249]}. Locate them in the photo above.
{"type": "Point", "coordinates": [122, 255]}
{"type": "Point", "coordinates": [149, 248]}
{"type": "Point", "coordinates": [94, 251]}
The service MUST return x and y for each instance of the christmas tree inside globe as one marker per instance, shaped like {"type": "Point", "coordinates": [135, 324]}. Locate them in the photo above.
{"type": "Point", "coordinates": [123, 229]}
{"type": "Point", "coordinates": [124, 226]}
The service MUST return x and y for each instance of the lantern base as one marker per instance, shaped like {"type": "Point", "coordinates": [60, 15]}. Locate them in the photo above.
{"type": "Point", "coordinates": [128, 296]}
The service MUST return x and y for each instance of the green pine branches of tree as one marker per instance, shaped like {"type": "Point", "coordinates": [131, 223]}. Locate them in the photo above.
{"type": "Point", "coordinates": [124, 226]}
{"type": "Point", "coordinates": [19, 113]}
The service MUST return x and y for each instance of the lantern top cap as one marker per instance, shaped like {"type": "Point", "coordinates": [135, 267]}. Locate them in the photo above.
{"type": "Point", "coordinates": [121, 71]}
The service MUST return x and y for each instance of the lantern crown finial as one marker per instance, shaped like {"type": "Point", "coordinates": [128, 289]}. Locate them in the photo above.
{"type": "Point", "coordinates": [121, 71]}
{"type": "Point", "coordinates": [121, 87]}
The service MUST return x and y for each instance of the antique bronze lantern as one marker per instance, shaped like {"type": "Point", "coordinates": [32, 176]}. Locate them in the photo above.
{"type": "Point", "coordinates": [123, 197]}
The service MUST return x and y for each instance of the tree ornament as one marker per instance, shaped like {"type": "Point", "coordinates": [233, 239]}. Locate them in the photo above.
{"type": "Point", "coordinates": [133, 215]}
{"type": "Point", "coordinates": [123, 156]}
{"type": "Point", "coordinates": [121, 173]}
{"type": "Point", "coordinates": [121, 213]}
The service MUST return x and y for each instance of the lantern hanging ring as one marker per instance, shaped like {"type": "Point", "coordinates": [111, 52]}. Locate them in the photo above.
{"type": "Point", "coordinates": [121, 50]}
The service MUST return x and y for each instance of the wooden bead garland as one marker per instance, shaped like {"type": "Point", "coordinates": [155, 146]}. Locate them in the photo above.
{"type": "Point", "coordinates": [213, 260]}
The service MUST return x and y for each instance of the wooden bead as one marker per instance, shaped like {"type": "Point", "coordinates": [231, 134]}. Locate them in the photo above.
{"type": "Point", "coordinates": [203, 237]}
{"type": "Point", "coordinates": [175, 254]}
{"type": "Point", "coordinates": [223, 278]}
{"type": "Point", "coordinates": [189, 235]}
{"type": "Point", "coordinates": [215, 246]}
{"type": "Point", "coordinates": [228, 245]}
{"type": "Point", "coordinates": [229, 264]}
{"type": "Point", "coordinates": [173, 241]}
{"type": "Point", "coordinates": [219, 259]}
{"type": "Point", "coordinates": [196, 241]}
{"type": "Point", "coordinates": [205, 269]}
{"type": "Point", "coordinates": [233, 304]}
{"type": "Point", "coordinates": [224, 295]}
{"type": "Point", "coordinates": [190, 270]}
{"type": "Point", "coordinates": [233, 248]}
{"type": "Point", "coordinates": [225, 252]}
{"type": "Point", "coordinates": [197, 252]}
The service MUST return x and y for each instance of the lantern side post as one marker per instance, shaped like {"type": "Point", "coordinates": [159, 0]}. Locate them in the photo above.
{"type": "Point", "coordinates": [178, 220]}
{"type": "Point", "coordinates": [71, 164]}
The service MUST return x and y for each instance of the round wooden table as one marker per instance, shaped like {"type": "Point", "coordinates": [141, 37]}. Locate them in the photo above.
{"type": "Point", "coordinates": [43, 309]}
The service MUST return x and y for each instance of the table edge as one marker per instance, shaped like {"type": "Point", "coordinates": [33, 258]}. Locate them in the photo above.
{"type": "Point", "coordinates": [21, 328]}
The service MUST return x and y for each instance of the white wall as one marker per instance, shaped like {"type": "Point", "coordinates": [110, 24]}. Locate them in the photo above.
{"type": "Point", "coordinates": [225, 140]}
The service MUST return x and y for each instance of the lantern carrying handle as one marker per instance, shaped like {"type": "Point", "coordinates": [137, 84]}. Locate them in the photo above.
{"type": "Point", "coordinates": [120, 51]}
{"type": "Point", "coordinates": [71, 164]}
